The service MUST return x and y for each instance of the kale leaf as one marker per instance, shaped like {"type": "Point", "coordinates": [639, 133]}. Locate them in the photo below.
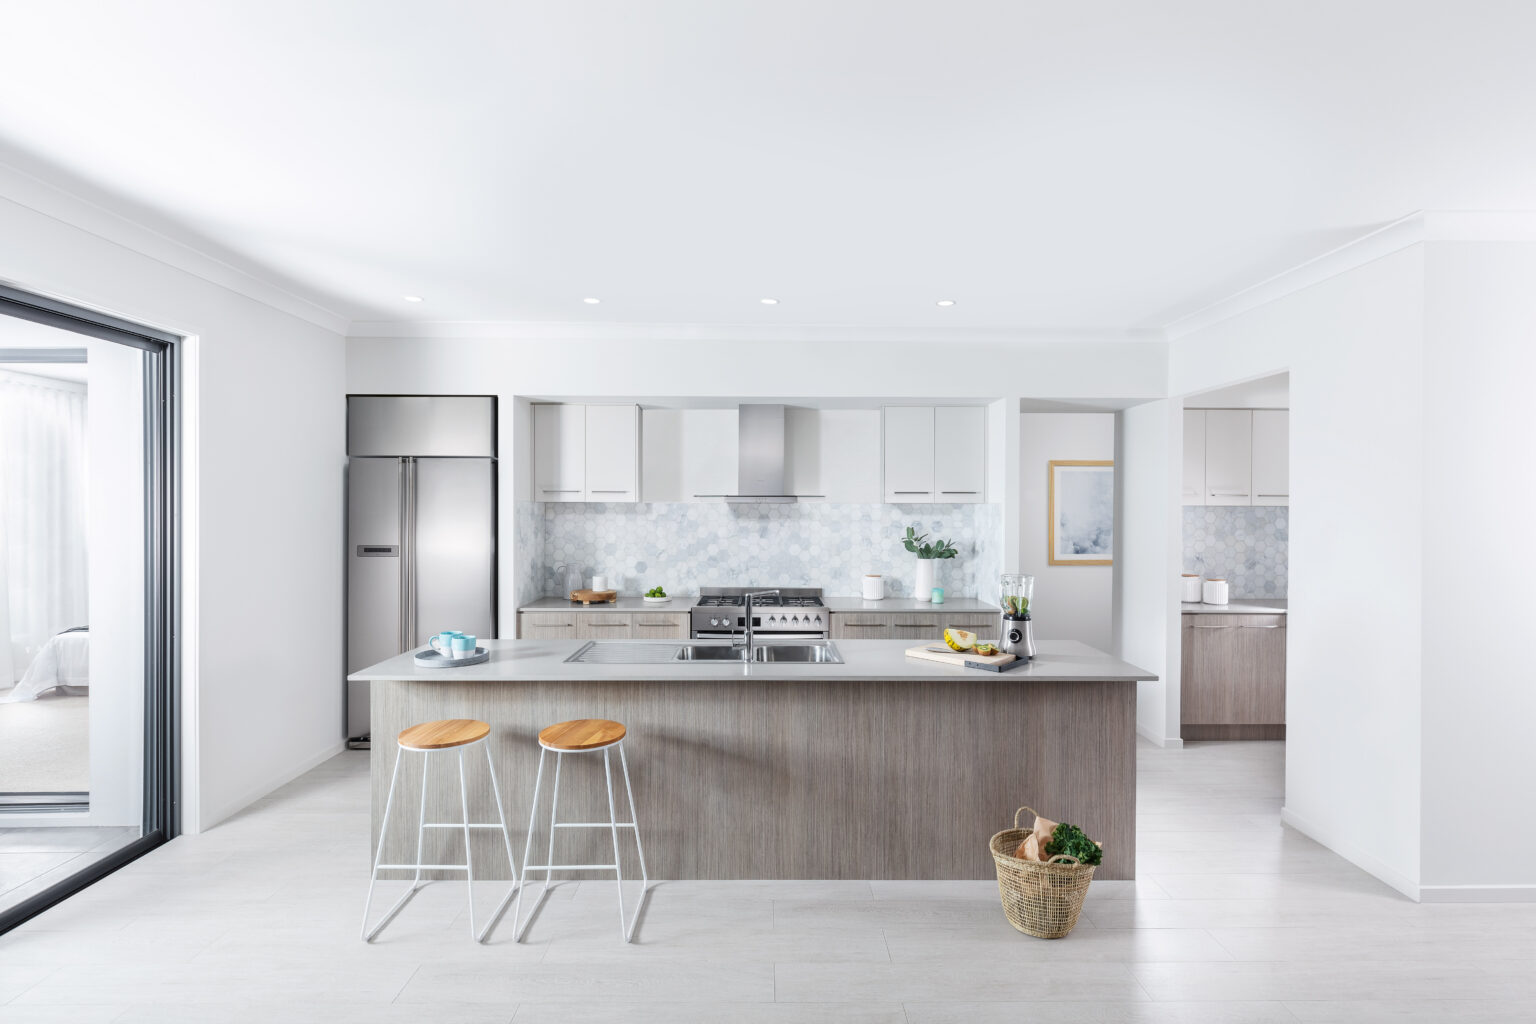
{"type": "Point", "coordinates": [1070, 840]}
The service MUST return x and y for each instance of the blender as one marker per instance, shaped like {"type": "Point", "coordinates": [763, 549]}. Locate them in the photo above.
{"type": "Point", "coordinates": [1018, 632]}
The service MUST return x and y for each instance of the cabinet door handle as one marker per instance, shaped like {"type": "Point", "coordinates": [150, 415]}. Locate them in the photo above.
{"type": "Point", "coordinates": [911, 492]}
{"type": "Point", "coordinates": [621, 490]}
{"type": "Point", "coordinates": [1274, 495]}
{"type": "Point", "coordinates": [1233, 625]}
{"type": "Point", "coordinates": [607, 625]}
{"type": "Point", "coordinates": [944, 492]}
{"type": "Point", "coordinates": [561, 490]}
{"type": "Point", "coordinates": [1229, 494]}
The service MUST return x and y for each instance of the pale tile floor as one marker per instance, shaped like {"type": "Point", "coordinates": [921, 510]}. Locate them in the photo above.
{"type": "Point", "coordinates": [257, 921]}
{"type": "Point", "coordinates": [32, 859]}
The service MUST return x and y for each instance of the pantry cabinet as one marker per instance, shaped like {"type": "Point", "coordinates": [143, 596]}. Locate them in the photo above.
{"type": "Point", "coordinates": [1236, 457]}
{"type": "Point", "coordinates": [586, 452]}
{"type": "Point", "coordinates": [934, 454]}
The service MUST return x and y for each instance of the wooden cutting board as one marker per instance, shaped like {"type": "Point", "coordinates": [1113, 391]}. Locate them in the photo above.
{"type": "Point", "coordinates": [595, 596]}
{"type": "Point", "coordinates": [956, 658]}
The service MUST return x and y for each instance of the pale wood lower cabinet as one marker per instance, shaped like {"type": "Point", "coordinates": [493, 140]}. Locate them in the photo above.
{"type": "Point", "coordinates": [584, 625]}
{"type": "Point", "coordinates": [1233, 678]}
{"type": "Point", "coordinates": [910, 625]}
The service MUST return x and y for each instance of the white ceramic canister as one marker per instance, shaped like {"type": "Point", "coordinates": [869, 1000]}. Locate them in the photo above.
{"type": "Point", "coordinates": [599, 582]}
{"type": "Point", "coordinates": [1191, 583]}
{"type": "Point", "coordinates": [874, 587]}
{"type": "Point", "coordinates": [1215, 592]}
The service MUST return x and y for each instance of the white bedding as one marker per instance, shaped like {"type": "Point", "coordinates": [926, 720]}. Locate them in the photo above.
{"type": "Point", "coordinates": [63, 663]}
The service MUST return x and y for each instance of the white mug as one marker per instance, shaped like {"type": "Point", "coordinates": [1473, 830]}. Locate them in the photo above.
{"type": "Point", "coordinates": [599, 582]}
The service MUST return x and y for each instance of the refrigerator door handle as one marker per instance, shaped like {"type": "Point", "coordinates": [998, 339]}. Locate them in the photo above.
{"type": "Point", "coordinates": [405, 553]}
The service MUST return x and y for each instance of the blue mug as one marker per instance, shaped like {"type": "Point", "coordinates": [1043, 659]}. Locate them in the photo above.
{"type": "Point", "coordinates": [938, 595]}
{"type": "Point", "coordinates": [463, 646]}
{"type": "Point", "coordinates": [442, 642]}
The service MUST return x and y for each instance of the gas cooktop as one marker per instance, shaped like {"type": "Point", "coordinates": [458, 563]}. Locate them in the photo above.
{"type": "Point", "coordinates": [794, 610]}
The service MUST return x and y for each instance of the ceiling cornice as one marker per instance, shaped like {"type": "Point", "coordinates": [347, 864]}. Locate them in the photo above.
{"type": "Point", "coordinates": [566, 331]}
{"type": "Point", "coordinates": [28, 190]}
{"type": "Point", "coordinates": [1414, 229]}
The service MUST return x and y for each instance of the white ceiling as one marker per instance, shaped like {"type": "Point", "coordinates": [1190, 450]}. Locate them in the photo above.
{"type": "Point", "coordinates": [1089, 165]}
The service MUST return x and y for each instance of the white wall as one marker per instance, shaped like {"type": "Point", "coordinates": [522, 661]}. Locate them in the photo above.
{"type": "Point", "coordinates": [1479, 475]}
{"type": "Point", "coordinates": [1073, 602]}
{"type": "Point", "coordinates": [1354, 346]}
{"type": "Point", "coordinates": [262, 653]}
{"type": "Point", "coordinates": [1145, 621]}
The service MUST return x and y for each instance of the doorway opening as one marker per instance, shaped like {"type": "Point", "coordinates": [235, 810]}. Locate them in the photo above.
{"type": "Point", "coordinates": [88, 564]}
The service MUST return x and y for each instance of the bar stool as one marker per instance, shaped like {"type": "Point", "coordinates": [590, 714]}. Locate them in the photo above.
{"type": "Point", "coordinates": [430, 738]}
{"type": "Point", "coordinates": [582, 736]}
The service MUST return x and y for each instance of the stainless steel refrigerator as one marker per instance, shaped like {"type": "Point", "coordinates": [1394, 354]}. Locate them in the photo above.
{"type": "Point", "coordinates": [421, 527]}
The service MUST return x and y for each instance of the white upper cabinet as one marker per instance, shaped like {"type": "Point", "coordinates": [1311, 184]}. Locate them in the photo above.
{"type": "Point", "coordinates": [586, 453]}
{"type": "Point", "coordinates": [1271, 457]}
{"type": "Point", "coordinates": [613, 453]}
{"type": "Point", "coordinates": [909, 450]}
{"type": "Point", "coordinates": [1228, 457]}
{"type": "Point", "coordinates": [935, 454]}
{"type": "Point", "coordinates": [559, 452]}
{"type": "Point", "coordinates": [960, 453]}
{"type": "Point", "coordinates": [686, 453]}
{"type": "Point", "coordinates": [1194, 457]}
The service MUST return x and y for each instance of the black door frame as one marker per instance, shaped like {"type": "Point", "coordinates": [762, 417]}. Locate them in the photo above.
{"type": "Point", "coordinates": [162, 576]}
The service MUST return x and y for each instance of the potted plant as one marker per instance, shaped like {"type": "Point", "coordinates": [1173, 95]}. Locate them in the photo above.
{"type": "Point", "coordinates": [927, 553]}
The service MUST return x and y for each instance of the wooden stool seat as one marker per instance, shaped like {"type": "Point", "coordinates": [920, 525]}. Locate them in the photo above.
{"type": "Point", "coordinates": [444, 735]}
{"type": "Point", "coordinates": [581, 734]}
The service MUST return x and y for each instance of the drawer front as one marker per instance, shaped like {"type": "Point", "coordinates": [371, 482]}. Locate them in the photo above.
{"type": "Point", "coordinates": [857, 631]}
{"type": "Point", "coordinates": [546, 626]}
{"type": "Point", "coordinates": [660, 626]}
{"type": "Point", "coordinates": [604, 626]}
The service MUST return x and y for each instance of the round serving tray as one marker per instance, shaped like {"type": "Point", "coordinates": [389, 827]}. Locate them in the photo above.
{"type": "Point", "coordinates": [432, 659]}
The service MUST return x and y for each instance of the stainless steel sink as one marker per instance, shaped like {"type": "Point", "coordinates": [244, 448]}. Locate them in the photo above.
{"type": "Point", "coordinates": [813, 653]}
{"type": "Point", "coordinates": [710, 652]}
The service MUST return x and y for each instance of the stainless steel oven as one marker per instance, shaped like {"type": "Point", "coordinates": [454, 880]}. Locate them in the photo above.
{"type": "Point", "coordinates": [796, 613]}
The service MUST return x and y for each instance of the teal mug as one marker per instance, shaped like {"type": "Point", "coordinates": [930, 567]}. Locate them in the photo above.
{"type": "Point", "coordinates": [463, 646]}
{"type": "Point", "coordinates": [442, 642]}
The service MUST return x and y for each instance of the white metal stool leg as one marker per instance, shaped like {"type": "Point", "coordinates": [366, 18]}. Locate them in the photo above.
{"type": "Point", "coordinates": [533, 818]}
{"type": "Point", "coordinates": [373, 877]}
{"type": "Point", "coordinates": [613, 824]}
{"type": "Point", "coordinates": [422, 825]}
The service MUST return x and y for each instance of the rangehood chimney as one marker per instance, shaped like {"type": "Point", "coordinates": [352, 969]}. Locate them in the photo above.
{"type": "Point", "coordinates": [760, 456]}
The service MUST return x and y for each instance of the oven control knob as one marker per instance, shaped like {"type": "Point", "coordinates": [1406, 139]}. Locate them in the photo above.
{"type": "Point", "coordinates": [714, 622]}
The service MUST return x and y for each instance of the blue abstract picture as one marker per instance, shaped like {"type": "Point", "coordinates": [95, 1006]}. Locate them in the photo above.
{"type": "Point", "coordinates": [1082, 513]}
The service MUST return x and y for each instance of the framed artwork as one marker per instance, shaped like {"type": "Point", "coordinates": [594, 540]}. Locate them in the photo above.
{"type": "Point", "coordinates": [1082, 512]}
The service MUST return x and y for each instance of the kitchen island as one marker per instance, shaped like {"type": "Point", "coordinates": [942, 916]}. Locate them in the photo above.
{"type": "Point", "coordinates": [881, 767]}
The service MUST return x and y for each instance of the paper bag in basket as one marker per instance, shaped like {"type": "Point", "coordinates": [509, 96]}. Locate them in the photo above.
{"type": "Point", "coordinates": [1031, 848]}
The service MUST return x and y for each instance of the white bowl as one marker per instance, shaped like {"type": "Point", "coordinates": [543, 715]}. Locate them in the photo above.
{"type": "Point", "coordinates": [656, 600]}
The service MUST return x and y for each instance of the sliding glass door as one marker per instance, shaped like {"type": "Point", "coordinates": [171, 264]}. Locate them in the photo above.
{"type": "Point", "coordinates": [88, 562]}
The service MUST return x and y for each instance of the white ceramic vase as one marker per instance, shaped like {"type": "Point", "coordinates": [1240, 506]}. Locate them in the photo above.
{"type": "Point", "coordinates": [923, 590]}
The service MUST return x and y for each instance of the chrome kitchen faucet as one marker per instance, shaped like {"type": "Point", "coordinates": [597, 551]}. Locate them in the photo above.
{"type": "Point", "coordinates": [749, 596]}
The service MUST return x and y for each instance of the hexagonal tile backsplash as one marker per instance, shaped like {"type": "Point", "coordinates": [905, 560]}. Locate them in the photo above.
{"type": "Point", "coordinates": [1246, 545]}
{"type": "Point", "coordinates": [686, 545]}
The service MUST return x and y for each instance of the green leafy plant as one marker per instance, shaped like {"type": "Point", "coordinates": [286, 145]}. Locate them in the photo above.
{"type": "Point", "coordinates": [1071, 841]}
{"type": "Point", "coordinates": [917, 544]}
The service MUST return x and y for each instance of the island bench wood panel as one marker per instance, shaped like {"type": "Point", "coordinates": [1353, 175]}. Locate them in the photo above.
{"type": "Point", "coordinates": [747, 779]}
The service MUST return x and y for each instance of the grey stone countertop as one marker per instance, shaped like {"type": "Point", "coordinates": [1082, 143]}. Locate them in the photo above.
{"type": "Point", "coordinates": [627, 605]}
{"type": "Point", "coordinates": [864, 661]}
{"type": "Point", "coordinates": [1239, 606]}
{"type": "Point", "coordinates": [682, 603]}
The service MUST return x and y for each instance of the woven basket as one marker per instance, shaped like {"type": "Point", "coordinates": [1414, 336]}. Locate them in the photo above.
{"type": "Point", "coordinates": [1039, 899]}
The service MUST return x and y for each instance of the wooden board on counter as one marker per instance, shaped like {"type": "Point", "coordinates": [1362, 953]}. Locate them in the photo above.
{"type": "Point", "coordinates": [595, 596]}
{"type": "Point", "coordinates": [939, 652]}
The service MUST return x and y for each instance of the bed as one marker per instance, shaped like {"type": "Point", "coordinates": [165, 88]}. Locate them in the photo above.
{"type": "Point", "coordinates": [63, 665]}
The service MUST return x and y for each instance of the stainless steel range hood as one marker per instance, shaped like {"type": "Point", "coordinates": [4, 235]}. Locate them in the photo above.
{"type": "Point", "coordinates": [760, 458]}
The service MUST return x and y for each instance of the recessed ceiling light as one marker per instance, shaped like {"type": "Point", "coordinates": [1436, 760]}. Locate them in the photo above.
{"type": "Point", "coordinates": [591, 301]}
{"type": "Point", "coordinates": [946, 302]}
{"type": "Point", "coordinates": [413, 298]}
{"type": "Point", "coordinates": [769, 302]}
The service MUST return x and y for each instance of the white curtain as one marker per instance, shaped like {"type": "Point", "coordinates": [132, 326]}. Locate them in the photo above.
{"type": "Point", "coordinates": [43, 554]}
